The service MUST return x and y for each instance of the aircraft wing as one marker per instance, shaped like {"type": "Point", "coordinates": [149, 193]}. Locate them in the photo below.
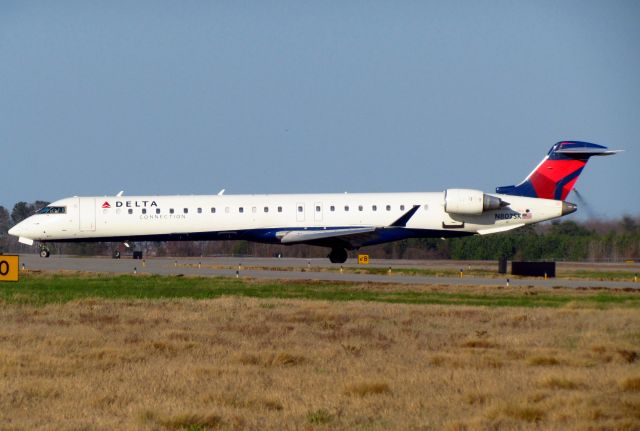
{"type": "Point", "coordinates": [350, 238]}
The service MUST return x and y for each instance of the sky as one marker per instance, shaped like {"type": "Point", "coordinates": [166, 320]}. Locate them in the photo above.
{"type": "Point", "coordinates": [189, 97]}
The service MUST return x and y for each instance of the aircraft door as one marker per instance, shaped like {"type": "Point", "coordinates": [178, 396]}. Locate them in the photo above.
{"type": "Point", "coordinates": [87, 214]}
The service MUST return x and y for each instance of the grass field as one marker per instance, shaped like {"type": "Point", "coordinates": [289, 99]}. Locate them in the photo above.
{"type": "Point", "coordinates": [170, 353]}
{"type": "Point", "coordinates": [44, 288]}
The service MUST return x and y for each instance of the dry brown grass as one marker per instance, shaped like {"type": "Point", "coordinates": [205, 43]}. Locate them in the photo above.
{"type": "Point", "coordinates": [362, 389]}
{"type": "Point", "coordinates": [184, 421]}
{"type": "Point", "coordinates": [631, 384]}
{"type": "Point", "coordinates": [235, 363]}
{"type": "Point", "coordinates": [557, 382]}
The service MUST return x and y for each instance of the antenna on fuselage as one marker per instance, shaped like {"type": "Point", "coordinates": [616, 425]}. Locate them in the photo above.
{"type": "Point", "coordinates": [221, 192]}
{"type": "Point", "coordinates": [120, 193]}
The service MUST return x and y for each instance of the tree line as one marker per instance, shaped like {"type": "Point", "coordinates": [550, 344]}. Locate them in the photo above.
{"type": "Point", "coordinates": [592, 240]}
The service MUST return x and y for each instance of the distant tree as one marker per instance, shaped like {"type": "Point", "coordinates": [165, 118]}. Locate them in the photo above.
{"type": "Point", "coordinates": [22, 210]}
{"type": "Point", "coordinates": [5, 224]}
{"type": "Point", "coordinates": [629, 225]}
{"type": "Point", "coordinates": [569, 228]}
{"type": "Point", "coordinates": [87, 248]}
{"type": "Point", "coordinates": [241, 248]}
{"type": "Point", "coordinates": [5, 220]}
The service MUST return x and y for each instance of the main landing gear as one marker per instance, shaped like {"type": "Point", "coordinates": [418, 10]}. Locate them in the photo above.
{"type": "Point", "coordinates": [44, 251]}
{"type": "Point", "coordinates": [338, 255]}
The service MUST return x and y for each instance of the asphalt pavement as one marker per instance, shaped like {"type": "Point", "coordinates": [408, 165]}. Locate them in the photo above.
{"type": "Point", "coordinates": [300, 269]}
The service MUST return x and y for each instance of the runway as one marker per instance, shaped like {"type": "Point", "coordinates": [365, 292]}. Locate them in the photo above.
{"type": "Point", "coordinates": [302, 269]}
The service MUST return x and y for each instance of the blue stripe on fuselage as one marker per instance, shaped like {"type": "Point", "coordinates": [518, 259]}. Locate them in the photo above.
{"type": "Point", "coordinates": [268, 235]}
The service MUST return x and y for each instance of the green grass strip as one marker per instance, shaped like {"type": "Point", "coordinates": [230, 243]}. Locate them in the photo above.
{"type": "Point", "coordinates": [45, 289]}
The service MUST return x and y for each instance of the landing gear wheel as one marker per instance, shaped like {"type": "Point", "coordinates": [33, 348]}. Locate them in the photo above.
{"type": "Point", "coordinates": [338, 255]}
{"type": "Point", "coordinates": [116, 254]}
{"type": "Point", "coordinates": [44, 253]}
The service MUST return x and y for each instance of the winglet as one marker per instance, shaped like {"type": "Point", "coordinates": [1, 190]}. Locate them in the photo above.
{"type": "Point", "coordinates": [402, 221]}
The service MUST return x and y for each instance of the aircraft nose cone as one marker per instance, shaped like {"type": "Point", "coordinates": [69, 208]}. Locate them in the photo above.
{"type": "Point", "coordinates": [24, 228]}
{"type": "Point", "coordinates": [15, 231]}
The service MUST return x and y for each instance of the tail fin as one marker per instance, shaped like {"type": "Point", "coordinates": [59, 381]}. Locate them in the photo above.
{"type": "Point", "coordinates": [558, 172]}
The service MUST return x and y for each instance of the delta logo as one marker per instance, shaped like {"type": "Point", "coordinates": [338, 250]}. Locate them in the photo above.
{"type": "Point", "coordinates": [131, 204]}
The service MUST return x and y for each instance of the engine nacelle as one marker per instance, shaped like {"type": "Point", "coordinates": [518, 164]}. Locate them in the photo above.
{"type": "Point", "coordinates": [472, 202]}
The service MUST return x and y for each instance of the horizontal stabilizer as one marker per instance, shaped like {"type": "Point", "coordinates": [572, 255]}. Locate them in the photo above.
{"type": "Point", "coordinates": [587, 151]}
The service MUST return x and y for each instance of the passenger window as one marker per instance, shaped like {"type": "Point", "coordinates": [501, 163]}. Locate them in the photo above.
{"type": "Point", "coordinates": [374, 207]}
{"type": "Point", "coordinates": [266, 209]}
{"type": "Point", "coordinates": [346, 207]}
{"type": "Point", "coordinates": [157, 210]}
{"type": "Point", "coordinates": [388, 207]}
{"type": "Point", "coordinates": [241, 210]}
{"type": "Point", "coordinates": [300, 209]}
{"type": "Point", "coordinates": [185, 210]}
{"type": "Point", "coordinates": [332, 208]}
{"type": "Point", "coordinates": [279, 209]}
{"type": "Point", "coordinates": [199, 210]}
{"type": "Point", "coordinates": [359, 207]}
{"type": "Point", "coordinates": [213, 210]}
{"type": "Point", "coordinates": [130, 211]}
{"type": "Point", "coordinates": [318, 208]}
{"type": "Point", "coordinates": [144, 210]}
{"type": "Point", "coordinates": [171, 211]}
{"type": "Point", "coordinates": [401, 207]}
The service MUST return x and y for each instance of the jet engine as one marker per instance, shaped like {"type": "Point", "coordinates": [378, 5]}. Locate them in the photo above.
{"type": "Point", "coordinates": [472, 202]}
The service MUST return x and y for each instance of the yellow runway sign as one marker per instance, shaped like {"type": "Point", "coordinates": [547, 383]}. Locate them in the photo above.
{"type": "Point", "coordinates": [9, 268]}
{"type": "Point", "coordinates": [363, 259]}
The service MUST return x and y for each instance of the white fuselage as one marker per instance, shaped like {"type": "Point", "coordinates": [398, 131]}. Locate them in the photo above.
{"type": "Point", "coordinates": [268, 218]}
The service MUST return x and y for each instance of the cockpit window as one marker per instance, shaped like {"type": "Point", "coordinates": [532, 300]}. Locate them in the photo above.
{"type": "Point", "coordinates": [52, 210]}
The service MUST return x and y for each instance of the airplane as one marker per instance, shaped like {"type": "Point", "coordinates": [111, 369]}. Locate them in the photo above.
{"type": "Point", "coordinates": [340, 222]}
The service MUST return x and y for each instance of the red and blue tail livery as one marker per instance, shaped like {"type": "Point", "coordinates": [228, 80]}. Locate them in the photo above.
{"type": "Point", "coordinates": [558, 172]}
